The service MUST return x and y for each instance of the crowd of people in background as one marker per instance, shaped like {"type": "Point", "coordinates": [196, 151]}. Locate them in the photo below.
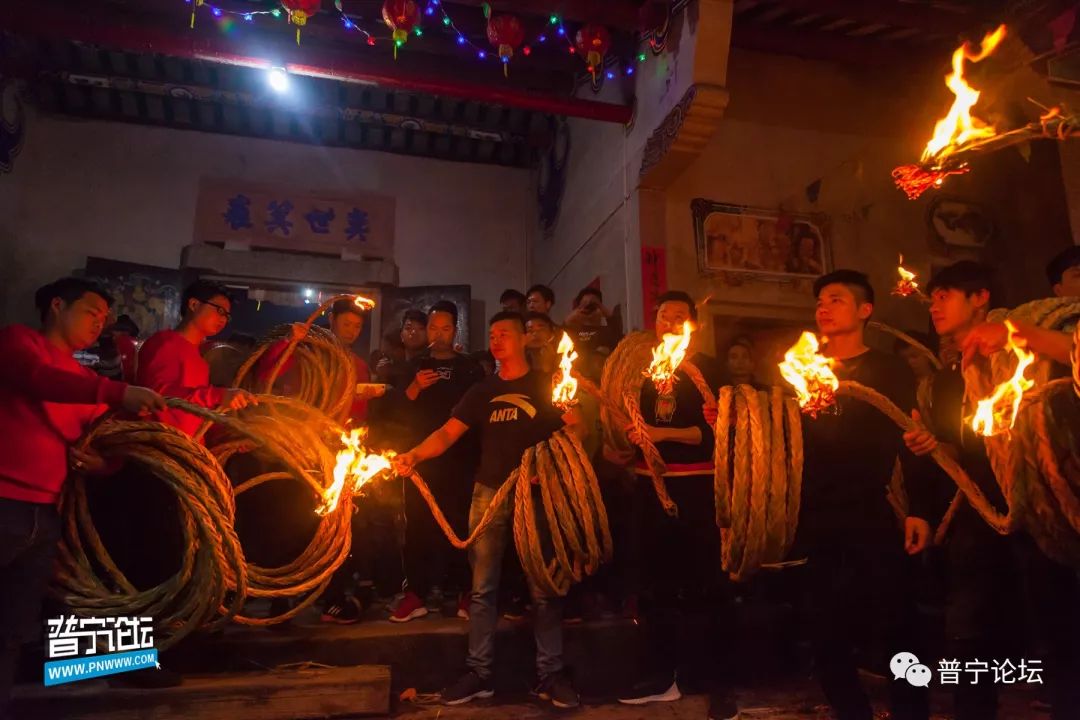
{"type": "Point", "coordinates": [463, 420]}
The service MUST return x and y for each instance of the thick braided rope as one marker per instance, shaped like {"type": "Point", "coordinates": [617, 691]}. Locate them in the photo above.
{"type": "Point", "coordinates": [576, 519]}
{"type": "Point", "coordinates": [653, 460]}
{"type": "Point", "coordinates": [212, 565]}
{"type": "Point", "coordinates": [733, 539]}
{"type": "Point", "coordinates": [759, 461]}
{"type": "Point", "coordinates": [722, 458]}
{"type": "Point", "coordinates": [327, 375]}
{"type": "Point", "coordinates": [622, 375]}
{"type": "Point", "coordinates": [1027, 460]}
{"type": "Point", "coordinates": [778, 520]}
{"type": "Point", "coordinates": [214, 579]}
{"type": "Point", "coordinates": [1001, 523]}
{"type": "Point", "coordinates": [698, 379]}
{"type": "Point", "coordinates": [795, 467]}
{"type": "Point", "coordinates": [907, 339]}
{"type": "Point", "coordinates": [759, 483]}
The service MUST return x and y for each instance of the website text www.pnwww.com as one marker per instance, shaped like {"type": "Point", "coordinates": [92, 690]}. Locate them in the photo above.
{"type": "Point", "coordinates": [84, 668]}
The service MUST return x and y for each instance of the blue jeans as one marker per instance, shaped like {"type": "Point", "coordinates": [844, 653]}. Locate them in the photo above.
{"type": "Point", "coordinates": [486, 556]}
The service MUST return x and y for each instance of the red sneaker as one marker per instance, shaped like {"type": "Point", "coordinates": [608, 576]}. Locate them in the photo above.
{"type": "Point", "coordinates": [463, 606]}
{"type": "Point", "coordinates": [410, 608]}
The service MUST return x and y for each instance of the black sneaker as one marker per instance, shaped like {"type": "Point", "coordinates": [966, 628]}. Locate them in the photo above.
{"type": "Point", "coordinates": [663, 688]}
{"type": "Point", "coordinates": [515, 609]}
{"type": "Point", "coordinates": [722, 706]}
{"type": "Point", "coordinates": [467, 688]}
{"type": "Point", "coordinates": [557, 690]}
{"type": "Point", "coordinates": [346, 612]}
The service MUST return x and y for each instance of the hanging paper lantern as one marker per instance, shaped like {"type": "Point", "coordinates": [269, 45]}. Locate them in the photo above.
{"type": "Point", "coordinates": [505, 33]}
{"type": "Point", "coordinates": [401, 16]}
{"type": "Point", "coordinates": [300, 11]}
{"type": "Point", "coordinates": [593, 42]}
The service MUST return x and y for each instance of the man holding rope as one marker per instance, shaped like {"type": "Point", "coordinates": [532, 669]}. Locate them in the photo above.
{"type": "Point", "coordinates": [170, 362]}
{"type": "Point", "coordinates": [512, 411]}
{"type": "Point", "coordinates": [346, 321]}
{"type": "Point", "coordinates": [847, 528]}
{"type": "Point", "coordinates": [47, 402]}
{"type": "Point", "coordinates": [683, 552]}
{"type": "Point", "coordinates": [989, 573]}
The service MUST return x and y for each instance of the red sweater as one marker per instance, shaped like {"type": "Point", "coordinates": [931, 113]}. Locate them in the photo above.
{"type": "Point", "coordinates": [173, 366]}
{"type": "Point", "coordinates": [47, 400]}
{"type": "Point", "coordinates": [358, 411]}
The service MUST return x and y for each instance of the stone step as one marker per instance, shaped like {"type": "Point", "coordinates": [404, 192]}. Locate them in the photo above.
{"type": "Point", "coordinates": [355, 691]}
{"type": "Point", "coordinates": [429, 653]}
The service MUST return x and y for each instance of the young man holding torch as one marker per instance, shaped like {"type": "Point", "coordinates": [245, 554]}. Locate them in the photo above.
{"type": "Point", "coordinates": [47, 401]}
{"type": "Point", "coordinates": [346, 321]}
{"type": "Point", "coordinates": [512, 411]}
{"type": "Point", "coordinates": [682, 554]}
{"type": "Point", "coordinates": [989, 574]}
{"type": "Point", "coordinates": [856, 566]}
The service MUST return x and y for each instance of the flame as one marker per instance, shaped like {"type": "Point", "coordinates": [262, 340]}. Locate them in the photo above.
{"type": "Point", "coordinates": [354, 465]}
{"type": "Point", "coordinates": [667, 356]}
{"type": "Point", "coordinates": [954, 131]}
{"type": "Point", "coordinates": [364, 303]}
{"type": "Point", "coordinates": [997, 413]}
{"type": "Point", "coordinates": [959, 126]}
{"type": "Point", "coordinates": [810, 373]}
{"type": "Point", "coordinates": [907, 284]}
{"type": "Point", "coordinates": [563, 384]}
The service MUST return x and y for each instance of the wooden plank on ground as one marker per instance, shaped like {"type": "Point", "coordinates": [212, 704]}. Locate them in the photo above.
{"type": "Point", "coordinates": [355, 691]}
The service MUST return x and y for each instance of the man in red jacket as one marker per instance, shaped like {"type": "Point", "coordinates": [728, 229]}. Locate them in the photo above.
{"type": "Point", "coordinates": [47, 400]}
{"type": "Point", "coordinates": [346, 323]}
{"type": "Point", "coordinates": [170, 363]}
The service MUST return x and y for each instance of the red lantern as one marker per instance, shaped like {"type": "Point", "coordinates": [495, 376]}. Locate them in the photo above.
{"type": "Point", "coordinates": [401, 16]}
{"type": "Point", "coordinates": [299, 11]}
{"type": "Point", "coordinates": [505, 33]}
{"type": "Point", "coordinates": [593, 42]}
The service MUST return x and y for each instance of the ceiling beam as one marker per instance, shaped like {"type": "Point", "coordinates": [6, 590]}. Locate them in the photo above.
{"type": "Point", "coordinates": [45, 21]}
{"type": "Point", "coordinates": [890, 12]}
{"type": "Point", "coordinates": [833, 47]}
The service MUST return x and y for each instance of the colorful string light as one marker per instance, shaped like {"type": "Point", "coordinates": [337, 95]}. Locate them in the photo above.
{"type": "Point", "coordinates": [432, 9]}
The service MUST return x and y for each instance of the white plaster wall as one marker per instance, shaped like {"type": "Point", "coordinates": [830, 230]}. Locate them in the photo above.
{"type": "Point", "coordinates": [597, 233]}
{"type": "Point", "coordinates": [128, 193]}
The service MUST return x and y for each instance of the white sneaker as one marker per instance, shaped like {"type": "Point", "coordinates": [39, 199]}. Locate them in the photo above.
{"type": "Point", "coordinates": [652, 694]}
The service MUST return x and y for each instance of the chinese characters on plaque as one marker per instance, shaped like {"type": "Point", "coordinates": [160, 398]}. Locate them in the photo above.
{"type": "Point", "coordinates": [239, 214]}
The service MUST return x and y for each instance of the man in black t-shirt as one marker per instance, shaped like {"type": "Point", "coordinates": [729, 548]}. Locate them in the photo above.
{"type": "Point", "coordinates": [857, 572]}
{"type": "Point", "coordinates": [512, 411]}
{"type": "Point", "coordinates": [594, 329]}
{"type": "Point", "coordinates": [682, 554]}
{"type": "Point", "coordinates": [440, 378]}
{"type": "Point", "coordinates": [991, 574]}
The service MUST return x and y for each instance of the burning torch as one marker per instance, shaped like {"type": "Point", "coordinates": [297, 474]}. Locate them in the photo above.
{"type": "Point", "coordinates": [667, 356]}
{"type": "Point", "coordinates": [960, 135]}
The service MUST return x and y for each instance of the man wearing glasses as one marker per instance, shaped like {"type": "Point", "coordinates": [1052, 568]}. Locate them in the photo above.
{"type": "Point", "coordinates": [170, 363]}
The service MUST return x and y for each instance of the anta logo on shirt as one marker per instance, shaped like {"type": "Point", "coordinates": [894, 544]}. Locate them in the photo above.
{"type": "Point", "coordinates": [509, 414]}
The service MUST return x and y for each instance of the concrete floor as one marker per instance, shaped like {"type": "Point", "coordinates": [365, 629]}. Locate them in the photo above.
{"type": "Point", "coordinates": [793, 699]}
